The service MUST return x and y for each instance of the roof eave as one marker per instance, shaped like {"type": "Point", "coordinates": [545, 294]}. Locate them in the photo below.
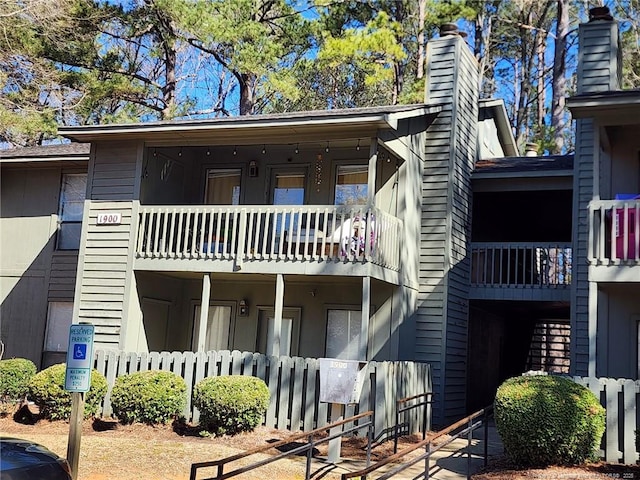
{"type": "Point", "coordinates": [522, 174]}
{"type": "Point", "coordinates": [384, 120]}
{"type": "Point", "coordinates": [589, 105]}
{"type": "Point", "coordinates": [505, 132]}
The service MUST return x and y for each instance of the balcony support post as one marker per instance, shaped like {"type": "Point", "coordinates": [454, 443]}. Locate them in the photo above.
{"type": "Point", "coordinates": [372, 172]}
{"type": "Point", "coordinates": [366, 318]}
{"type": "Point", "coordinates": [204, 311]}
{"type": "Point", "coordinates": [277, 320]}
{"type": "Point", "coordinates": [593, 327]}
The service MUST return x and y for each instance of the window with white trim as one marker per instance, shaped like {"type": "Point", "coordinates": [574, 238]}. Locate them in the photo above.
{"type": "Point", "coordinates": [223, 186]}
{"type": "Point", "coordinates": [351, 185]}
{"type": "Point", "coordinates": [344, 334]}
{"type": "Point", "coordinates": [59, 318]}
{"type": "Point", "coordinates": [218, 332]}
{"type": "Point", "coordinates": [72, 195]}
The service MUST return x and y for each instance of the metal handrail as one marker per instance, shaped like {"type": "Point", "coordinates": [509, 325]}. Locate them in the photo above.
{"type": "Point", "coordinates": [425, 404]}
{"type": "Point", "coordinates": [307, 447]}
{"type": "Point", "coordinates": [427, 443]}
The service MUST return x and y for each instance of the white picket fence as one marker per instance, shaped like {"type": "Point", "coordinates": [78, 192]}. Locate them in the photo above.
{"type": "Point", "coordinates": [620, 398]}
{"type": "Point", "coordinates": [293, 384]}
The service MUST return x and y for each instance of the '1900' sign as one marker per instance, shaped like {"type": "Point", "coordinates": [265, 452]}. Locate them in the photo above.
{"type": "Point", "coordinates": [109, 218]}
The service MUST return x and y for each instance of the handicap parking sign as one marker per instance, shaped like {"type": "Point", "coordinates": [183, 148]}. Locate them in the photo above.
{"type": "Point", "coordinates": [79, 358]}
{"type": "Point", "coordinates": [80, 351]}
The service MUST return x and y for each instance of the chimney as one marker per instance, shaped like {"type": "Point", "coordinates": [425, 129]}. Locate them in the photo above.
{"type": "Point", "coordinates": [531, 150]}
{"type": "Point", "coordinates": [451, 29]}
{"type": "Point", "coordinates": [599, 59]}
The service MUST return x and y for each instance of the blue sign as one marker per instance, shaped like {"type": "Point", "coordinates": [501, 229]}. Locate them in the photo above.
{"type": "Point", "coordinates": [79, 358]}
{"type": "Point", "coordinates": [80, 351]}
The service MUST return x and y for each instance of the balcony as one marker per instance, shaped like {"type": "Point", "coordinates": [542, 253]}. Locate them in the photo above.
{"type": "Point", "coordinates": [317, 239]}
{"type": "Point", "coordinates": [614, 240]}
{"type": "Point", "coordinates": [521, 271]}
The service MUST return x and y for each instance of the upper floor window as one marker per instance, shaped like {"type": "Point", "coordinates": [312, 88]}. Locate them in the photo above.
{"type": "Point", "coordinates": [288, 188]}
{"type": "Point", "coordinates": [223, 186]}
{"type": "Point", "coordinates": [72, 196]}
{"type": "Point", "coordinates": [351, 185]}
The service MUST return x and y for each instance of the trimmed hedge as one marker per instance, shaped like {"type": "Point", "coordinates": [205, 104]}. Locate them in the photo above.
{"type": "Point", "coordinates": [231, 404]}
{"type": "Point", "coordinates": [548, 420]}
{"type": "Point", "coordinates": [15, 374]}
{"type": "Point", "coordinates": [149, 397]}
{"type": "Point", "coordinates": [46, 389]}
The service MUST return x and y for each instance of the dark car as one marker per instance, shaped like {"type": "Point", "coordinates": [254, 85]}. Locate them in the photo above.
{"type": "Point", "coordinates": [26, 460]}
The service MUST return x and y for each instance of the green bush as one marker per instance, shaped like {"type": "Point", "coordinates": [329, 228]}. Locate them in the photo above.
{"type": "Point", "coordinates": [231, 404]}
{"type": "Point", "coordinates": [150, 397]}
{"type": "Point", "coordinates": [46, 389]}
{"type": "Point", "coordinates": [548, 420]}
{"type": "Point", "coordinates": [15, 374]}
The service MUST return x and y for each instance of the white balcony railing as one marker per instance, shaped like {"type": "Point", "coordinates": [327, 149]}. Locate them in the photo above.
{"type": "Point", "coordinates": [521, 264]}
{"type": "Point", "coordinates": [265, 232]}
{"type": "Point", "coordinates": [614, 232]}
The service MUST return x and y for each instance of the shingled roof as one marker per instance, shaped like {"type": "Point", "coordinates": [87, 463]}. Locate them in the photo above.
{"type": "Point", "coordinates": [511, 165]}
{"type": "Point", "coordinates": [46, 151]}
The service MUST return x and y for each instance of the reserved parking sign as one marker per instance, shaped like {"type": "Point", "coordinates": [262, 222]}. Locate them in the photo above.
{"type": "Point", "coordinates": [79, 358]}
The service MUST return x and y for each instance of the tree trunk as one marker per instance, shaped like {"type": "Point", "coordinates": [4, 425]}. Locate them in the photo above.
{"type": "Point", "coordinates": [169, 88]}
{"type": "Point", "coordinates": [559, 83]}
{"type": "Point", "coordinates": [541, 100]}
{"type": "Point", "coordinates": [247, 99]}
{"type": "Point", "coordinates": [422, 13]}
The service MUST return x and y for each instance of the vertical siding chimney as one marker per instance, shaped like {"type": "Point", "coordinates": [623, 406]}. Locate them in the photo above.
{"type": "Point", "coordinates": [599, 61]}
{"type": "Point", "coordinates": [450, 152]}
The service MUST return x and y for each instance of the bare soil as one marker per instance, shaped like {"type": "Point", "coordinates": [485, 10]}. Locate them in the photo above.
{"type": "Point", "coordinates": [111, 451]}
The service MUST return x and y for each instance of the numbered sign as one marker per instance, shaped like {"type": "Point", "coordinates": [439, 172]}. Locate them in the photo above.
{"type": "Point", "coordinates": [109, 218]}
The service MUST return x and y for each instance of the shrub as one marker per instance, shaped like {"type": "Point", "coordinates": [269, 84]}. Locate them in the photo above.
{"type": "Point", "coordinates": [548, 420]}
{"type": "Point", "coordinates": [15, 374]}
{"type": "Point", "coordinates": [150, 397]}
{"type": "Point", "coordinates": [46, 389]}
{"type": "Point", "coordinates": [231, 404]}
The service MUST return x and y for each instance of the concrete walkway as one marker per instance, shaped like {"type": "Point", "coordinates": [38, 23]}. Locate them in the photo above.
{"type": "Point", "coordinates": [451, 462]}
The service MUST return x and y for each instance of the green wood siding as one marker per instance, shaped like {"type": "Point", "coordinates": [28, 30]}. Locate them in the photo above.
{"type": "Point", "coordinates": [441, 320]}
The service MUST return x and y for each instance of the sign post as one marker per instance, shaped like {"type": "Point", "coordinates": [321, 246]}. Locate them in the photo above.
{"type": "Point", "coordinates": [77, 380]}
{"type": "Point", "coordinates": [340, 384]}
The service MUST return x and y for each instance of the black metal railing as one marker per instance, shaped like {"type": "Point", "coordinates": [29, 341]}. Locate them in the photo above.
{"type": "Point", "coordinates": [411, 403]}
{"type": "Point", "coordinates": [463, 427]}
{"type": "Point", "coordinates": [307, 448]}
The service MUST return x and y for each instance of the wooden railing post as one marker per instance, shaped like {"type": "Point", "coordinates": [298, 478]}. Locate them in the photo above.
{"type": "Point", "coordinates": [242, 240]}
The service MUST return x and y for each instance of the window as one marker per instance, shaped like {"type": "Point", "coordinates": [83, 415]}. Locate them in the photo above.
{"type": "Point", "coordinates": [217, 333]}
{"type": "Point", "coordinates": [343, 334]}
{"type": "Point", "coordinates": [223, 186]}
{"type": "Point", "coordinates": [289, 331]}
{"type": "Point", "coordinates": [351, 185]}
{"type": "Point", "coordinates": [289, 189]}
{"type": "Point", "coordinates": [59, 317]}
{"type": "Point", "coordinates": [72, 196]}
